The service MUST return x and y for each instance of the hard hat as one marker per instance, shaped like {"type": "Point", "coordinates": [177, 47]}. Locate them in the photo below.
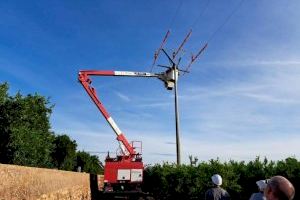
{"type": "Point", "coordinates": [261, 184]}
{"type": "Point", "coordinates": [216, 179]}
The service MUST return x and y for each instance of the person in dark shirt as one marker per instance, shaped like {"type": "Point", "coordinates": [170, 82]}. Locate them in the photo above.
{"type": "Point", "coordinates": [216, 192]}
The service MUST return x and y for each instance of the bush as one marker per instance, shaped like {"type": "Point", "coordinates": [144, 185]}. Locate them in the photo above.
{"type": "Point", "coordinates": [169, 181]}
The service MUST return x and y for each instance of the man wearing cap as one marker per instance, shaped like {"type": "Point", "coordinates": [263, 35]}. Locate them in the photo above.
{"type": "Point", "coordinates": [261, 187]}
{"type": "Point", "coordinates": [279, 188]}
{"type": "Point", "coordinates": [216, 192]}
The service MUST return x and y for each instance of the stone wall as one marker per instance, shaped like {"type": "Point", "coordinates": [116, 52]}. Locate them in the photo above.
{"type": "Point", "coordinates": [28, 183]}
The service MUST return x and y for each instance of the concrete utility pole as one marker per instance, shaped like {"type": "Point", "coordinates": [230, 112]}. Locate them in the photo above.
{"type": "Point", "coordinates": [171, 76]}
{"type": "Point", "coordinates": [177, 115]}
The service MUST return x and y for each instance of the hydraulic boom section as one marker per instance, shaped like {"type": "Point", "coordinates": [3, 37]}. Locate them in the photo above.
{"type": "Point", "coordinates": [84, 78]}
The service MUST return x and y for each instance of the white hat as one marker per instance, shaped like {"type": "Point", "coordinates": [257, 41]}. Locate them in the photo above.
{"type": "Point", "coordinates": [261, 184]}
{"type": "Point", "coordinates": [216, 179]}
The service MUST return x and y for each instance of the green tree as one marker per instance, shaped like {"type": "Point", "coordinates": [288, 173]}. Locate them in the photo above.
{"type": "Point", "coordinates": [5, 154]}
{"type": "Point", "coordinates": [64, 153]}
{"type": "Point", "coordinates": [88, 163]}
{"type": "Point", "coordinates": [25, 138]}
{"type": "Point", "coordinates": [3, 93]}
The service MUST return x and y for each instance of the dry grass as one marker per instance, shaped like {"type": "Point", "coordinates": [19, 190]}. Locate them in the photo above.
{"type": "Point", "coordinates": [20, 183]}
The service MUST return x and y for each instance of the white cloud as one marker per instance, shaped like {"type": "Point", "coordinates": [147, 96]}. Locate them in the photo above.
{"type": "Point", "coordinates": [122, 96]}
{"type": "Point", "coordinates": [155, 104]}
{"type": "Point", "coordinates": [272, 146]}
{"type": "Point", "coordinates": [247, 63]}
{"type": "Point", "coordinates": [269, 98]}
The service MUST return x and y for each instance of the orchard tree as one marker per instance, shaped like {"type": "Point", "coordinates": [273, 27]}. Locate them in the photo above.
{"type": "Point", "coordinates": [64, 153]}
{"type": "Point", "coordinates": [5, 154]}
{"type": "Point", "coordinates": [88, 163]}
{"type": "Point", "coordinates": [3, 93]}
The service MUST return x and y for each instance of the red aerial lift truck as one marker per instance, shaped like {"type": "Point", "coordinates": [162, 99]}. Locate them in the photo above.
{"type": "Point", "coordinates": [125, 171]}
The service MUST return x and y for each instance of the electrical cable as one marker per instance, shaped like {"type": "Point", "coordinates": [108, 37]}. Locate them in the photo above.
{"type": "Point", "coordinates": [201, 13]}
{"type": "Point", "coordinates": [226, 20]}
{"type": "Point", "coordinates": [176, 12]}
{"type": "Point", "coordinates": [170, 25]}
{"type": "Point", "coordinates": [216, 31]}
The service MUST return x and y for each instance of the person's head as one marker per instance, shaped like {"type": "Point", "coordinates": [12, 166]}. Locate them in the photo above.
{"type": "Point", "coordinates": [216, 179]}
{"type": "Point", "coordinates": [261, 184]}
{"type": "Point", "coordinates": [279, 188]}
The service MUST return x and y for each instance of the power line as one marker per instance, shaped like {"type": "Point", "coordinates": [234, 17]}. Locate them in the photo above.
{"type": "Point", "coordinates": [176, 12]}
{"type": "Point", "coordinates": [215, 32]}
{"type": "Point", "coordinates": [195, 22]}
{"type": "Point", "coordinates": [156, 54]}
{"type": "Point", "coordinates": [201, 13]}
{"type": "Point", "coordinates": [225, 21]}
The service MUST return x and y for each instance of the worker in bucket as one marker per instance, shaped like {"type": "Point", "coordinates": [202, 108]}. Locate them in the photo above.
{"type": "Point", "coordinates": [279, 188]}
{"type": "Point", "coordinates": [261, 184]}
{"type": "Point", "coordinates": [216, 192]}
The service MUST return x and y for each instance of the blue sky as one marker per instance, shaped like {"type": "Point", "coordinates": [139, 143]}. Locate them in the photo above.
{"type": "Point", "coordinates": [241, 99]}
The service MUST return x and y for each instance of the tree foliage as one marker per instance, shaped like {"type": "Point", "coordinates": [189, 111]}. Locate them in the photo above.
{"type": "Point", "coordinates": [26, 138]}
{"type": "Point", "coordinates": [64, 152]}
{"type": "Point", "coordinates": [24, 129]}
{"type": "Point", "coordinates": [3, 93]}
{"type": "Point", "coordinates": [169, 181]}
{"type": "Point", "coordinates": [88, 163]}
